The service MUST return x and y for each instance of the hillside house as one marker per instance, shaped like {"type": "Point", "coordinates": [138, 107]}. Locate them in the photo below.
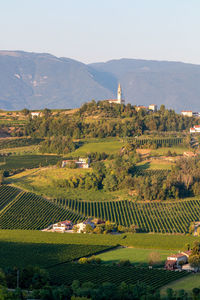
{"type": "Point", "coordinates": [83, 163]}
{"type": "Point", "coordinates": [139, 107]}
{"type": "Point", "coordinates": [195, 129]}
{"type": "Point", "coordinates": [81, 226]}
{"type": "Point", "coordinates": [153, 107]}
{"type": "Point", "coordinates": [62, 226]}
{"type": "Point", "coordinates": [187, 113]}
{"type": "Point", "coordinates": [35, 114]}
{"type": "Point", "coordinates": [175, 261]}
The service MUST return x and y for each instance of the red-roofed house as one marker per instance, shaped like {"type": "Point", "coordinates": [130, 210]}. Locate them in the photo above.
{"type": "Point", "coordinates": [173, 261]}
{"type": "Point", "coordinates": [195, 129]}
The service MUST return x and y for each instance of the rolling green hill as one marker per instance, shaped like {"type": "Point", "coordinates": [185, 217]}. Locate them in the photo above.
{"type": "Point", "coordinates": [22, 210]}
{"type": "Point", "coordinates": [29, 211]}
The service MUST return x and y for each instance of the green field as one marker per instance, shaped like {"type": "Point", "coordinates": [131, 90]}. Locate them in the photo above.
{"type": "Point", "coordinates": [27, 161]}
{"type": "Point", "coordinates": [109, 147]}
{"type": "Point", "coordinates": [139, 257]}
{"type": "Point", "coordinates": [154, 165]}
{"type": "Point", "coordinates": [163, 151]}
{"type": "Point", "coordinates": [139, 240]}
{"type": "Point", "coordinates": [41, 249]}
{"type": "Point", "coordinates": [188, 283]}
{"type": "Point", "coordinates": [18, 142]}
{"type": "Point", "coordinates": [42, 182]}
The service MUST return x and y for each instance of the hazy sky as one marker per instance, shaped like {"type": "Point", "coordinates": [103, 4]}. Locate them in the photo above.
{"type": "Point", "coordinates": [99, 30]}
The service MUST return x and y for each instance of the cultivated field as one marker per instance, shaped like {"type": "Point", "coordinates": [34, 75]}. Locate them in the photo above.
{"type": "Point", "coordinates": [138, 257]}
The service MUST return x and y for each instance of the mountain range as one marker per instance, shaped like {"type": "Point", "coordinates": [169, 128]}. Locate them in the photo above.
{"type": "Point", "coordinates": [39, 80]}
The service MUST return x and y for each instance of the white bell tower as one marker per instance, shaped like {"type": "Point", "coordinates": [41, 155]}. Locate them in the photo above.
{"type": "Point", "coordinates": [119, 94]}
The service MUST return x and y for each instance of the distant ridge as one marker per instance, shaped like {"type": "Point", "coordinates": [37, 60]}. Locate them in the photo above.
{"type": "Point", "coordinates": [39, 80]}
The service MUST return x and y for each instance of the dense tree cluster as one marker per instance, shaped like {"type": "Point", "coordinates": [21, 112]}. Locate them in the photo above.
{"type": "Point", "coordinates": [58, 145]}
{"type": "Point", "coordinates": [182, 181]}
{"type": "Point", "coordinates": [110, 120]}
{"type": "Point", "coordinates": [115, 174]}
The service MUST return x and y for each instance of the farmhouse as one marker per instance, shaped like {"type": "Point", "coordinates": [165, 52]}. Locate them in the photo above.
{"type": "Point", "coordinates": [175, 261]}
{"type": "Point", "coordinates": [62, 226]}
{"type": "Point", "coordinates": [83, 163]}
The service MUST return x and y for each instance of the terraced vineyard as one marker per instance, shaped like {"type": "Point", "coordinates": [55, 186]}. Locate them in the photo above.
{"type": "Point", "coordinates": [7, 194]}
{"type": "Point", "coordinates": [66, 273]}
{"type": "Point", "coordinates": [164, 217]}
{"type": "Point", "coordinates": [29, 211]}
{"type": "Point", "coordinates": [159, 142]}
{"type": "Point", "coordinates": [27, 161]}
{"type": "Point", "coordinates": [21, 210]}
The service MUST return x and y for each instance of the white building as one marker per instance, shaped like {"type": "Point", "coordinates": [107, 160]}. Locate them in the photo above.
{"type": "Point", "coordinates": [187, 113]}
{"type": "Point", "coordinates": [83, 163]}
{"type": "Point", "coordinates": [35, 114]}
{"type": "Point", "coordinates": [81, 226]}
{"type": "Point", "coordinates": [153, 107]}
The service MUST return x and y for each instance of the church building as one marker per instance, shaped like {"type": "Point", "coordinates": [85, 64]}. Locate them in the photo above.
{"type": "Point", "coordinates": [119, 99]}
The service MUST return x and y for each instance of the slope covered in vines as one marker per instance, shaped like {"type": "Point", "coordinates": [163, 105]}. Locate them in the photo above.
{"type": "Point", "coordinates": [163, 217]}
{"type": "Point", "coordinates": [29, 211]}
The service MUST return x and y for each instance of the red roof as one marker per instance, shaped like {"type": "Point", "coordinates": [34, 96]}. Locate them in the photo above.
{"type": "Point", "coordinates": [188, 253]}
{"type": "Point", "coordinates": [196, 126]}
{"type": "Point", "coordinates": [186, 111]}
{"type": "Point", "coordinates": [177, 255]}
{"type": "Point", "coordinates": [66, 222]}
{"type": "Point", "coordinates": [170, 262]}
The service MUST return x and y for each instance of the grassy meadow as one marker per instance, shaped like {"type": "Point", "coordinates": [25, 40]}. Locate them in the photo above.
{"type": "Point", "coordinates": [187, 283]}
{"type": "Point", "coordinates": [139, 257]}
{"type": "Point", "coordinates": [139, 240]}
{"type": "Point", "coordinates": [110, 146]}
{"type": "Point", "coordinates": [27, 161]}
{"type": "Point", "coordinates": [42, 182]}
{"type": "Point", "coordinates": [155, 165]}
